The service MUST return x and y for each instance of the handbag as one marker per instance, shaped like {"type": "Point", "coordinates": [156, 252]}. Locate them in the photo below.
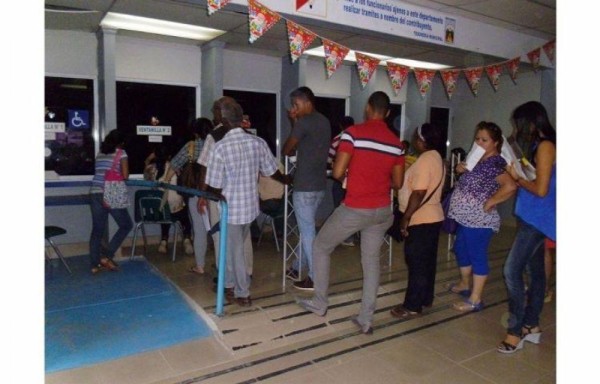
{"type": "Point", "coordinates": [394, 230]}
{"type": "Point", "coordinates": [115, 195]}
{"type": "Point", "coordinates": [189, 176]}
{"type": "Point", "coordinates": [449, 225]}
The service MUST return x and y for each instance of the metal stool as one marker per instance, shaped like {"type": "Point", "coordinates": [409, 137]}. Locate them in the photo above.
{"type": "Point", "coordinates": [49, 233]}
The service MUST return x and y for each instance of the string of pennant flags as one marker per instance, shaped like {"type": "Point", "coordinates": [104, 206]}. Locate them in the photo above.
{"type": "Point", "coordinates": [261, 19]}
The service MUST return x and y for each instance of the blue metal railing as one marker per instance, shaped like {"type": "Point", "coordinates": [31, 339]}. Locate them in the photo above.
{"type": "Point", "coordinates": [222, 227]}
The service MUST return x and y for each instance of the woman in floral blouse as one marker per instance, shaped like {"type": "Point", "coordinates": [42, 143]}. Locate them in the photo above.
{"type": "Point", "coordinates": [473, 206]}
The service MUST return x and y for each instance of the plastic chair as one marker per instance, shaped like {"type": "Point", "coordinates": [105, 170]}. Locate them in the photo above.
{"type": "Point", "coordinates": [147, 210]}
{"type": "Point", "coordinates": [269, 220]}
{"type": "Point", "coordinates": [49, 232]}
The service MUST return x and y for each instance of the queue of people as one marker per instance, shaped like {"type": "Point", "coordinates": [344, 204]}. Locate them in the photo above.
{"type": "Point", "coordinates": [369, 161]}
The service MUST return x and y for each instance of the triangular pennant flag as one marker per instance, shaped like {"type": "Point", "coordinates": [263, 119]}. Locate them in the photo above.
{"type": "Point", "coordinates": [300, 38]}
{"type": "Point", "coordinates": [334, 55]}
{"type": "Point", "coordinates": [534, 58]}
{"type": "Point", "coordinates": [215, 5]}
{"type": "Point", "coordinates": [449, 78]}
{"type": "Point", "coordinates": [261, 19]}
{"type": "Point", "coordinates": [494, 72]}
{"type": "Point", "coordinates": [424, 78]}
{"type": "Point", "coordinates": [366, 66]}
{"type": "Point", "coordinates": [513, 68]}
{"type": "Point", "coordinates": [398, 75]}
{"type": "Point", "coordinates": [473, 76]}
{"type": "Point", "coordinates": [549, 48]}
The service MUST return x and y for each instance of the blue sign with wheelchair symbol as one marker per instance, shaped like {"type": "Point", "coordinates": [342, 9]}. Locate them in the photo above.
{"type": "Point", "coordinates": [78, 119]}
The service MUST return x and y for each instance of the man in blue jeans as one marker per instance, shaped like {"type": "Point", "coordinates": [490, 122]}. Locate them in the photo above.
{"type": "Point", "coordinates": [309, 139]}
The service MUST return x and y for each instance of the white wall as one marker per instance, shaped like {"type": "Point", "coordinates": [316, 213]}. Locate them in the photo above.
{"type": "Point", "coordinates": [251, 72]}
{"type": "Point", "coordinates": [467, 110]}
{"type": "Point", "coordinates": [338, 85]}
{"type": "Point", "coordinates": [71, 53]}
{"type": "Point", "coordinates": [157, 62]}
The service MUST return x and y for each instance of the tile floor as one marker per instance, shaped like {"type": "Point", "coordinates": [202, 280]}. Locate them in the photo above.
{"type": "Point", "coordinates": [275, 341]}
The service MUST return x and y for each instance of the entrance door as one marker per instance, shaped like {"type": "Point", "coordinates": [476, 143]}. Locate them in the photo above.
{"type": "Point", "coordinates": [440, 117]}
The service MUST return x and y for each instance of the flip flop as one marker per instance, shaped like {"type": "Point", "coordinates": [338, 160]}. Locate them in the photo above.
{"type": "Point", "coordinates": [195, 270]}
{"type": "Point", "coordinates": [464, 293]}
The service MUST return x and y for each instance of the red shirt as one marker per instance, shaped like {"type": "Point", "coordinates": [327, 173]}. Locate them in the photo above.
{"type": "Point", "coordinates": [374, 150]}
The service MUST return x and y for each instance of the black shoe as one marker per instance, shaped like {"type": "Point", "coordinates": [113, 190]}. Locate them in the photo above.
{"type": "Point", "coordinates": [292, 274]}
{"type": "Point", "coordinates": [243, 301]}
{"type": "Point", "coordinates": [305, 285]}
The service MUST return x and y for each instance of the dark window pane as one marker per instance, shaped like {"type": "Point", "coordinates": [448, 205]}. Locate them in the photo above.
{"type": "Point", "coordinates": [394, 118]}
{"type": "Point", "coordinates": [261, 109]}
{"type": "Point", "coordinates": [137, 103]}
{"type": "Point", "coordinates": [334, 109]}
{"type": "Point", "coordinates": [69, 121]}
{"type": "Point", "coordinates": [440, 117]}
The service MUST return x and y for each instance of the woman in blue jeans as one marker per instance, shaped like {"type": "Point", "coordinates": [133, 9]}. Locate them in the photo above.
{"type": "Point", "coordinates": [112, 144]}
{"type": "Point", "coordinates": [536, 211]}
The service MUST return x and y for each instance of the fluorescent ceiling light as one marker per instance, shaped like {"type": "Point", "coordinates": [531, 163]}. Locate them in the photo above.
{"type": "Point", "coordinates": [320, 52]}
{"type": "Point", "coordinates": [160, 27]}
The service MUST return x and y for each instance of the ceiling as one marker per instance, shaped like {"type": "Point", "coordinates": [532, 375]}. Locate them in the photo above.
{"type": "Point", "coordinates": [535, 17]}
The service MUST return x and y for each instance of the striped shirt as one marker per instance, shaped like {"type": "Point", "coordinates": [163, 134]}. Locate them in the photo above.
{"type": "Point", "coordinates": [233, 166]}
{"type": "Point", "coordinates": [333, 148]}
{"type": "Point", "coordinates": [374, 151]}
{"type": "Point", "coordinates": [104, 163]}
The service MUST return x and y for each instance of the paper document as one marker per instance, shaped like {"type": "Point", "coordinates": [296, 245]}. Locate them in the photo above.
{"type": "Point", "coordinates": [513, 154]}
{"type": "Point", "coordinates": [474, 156]}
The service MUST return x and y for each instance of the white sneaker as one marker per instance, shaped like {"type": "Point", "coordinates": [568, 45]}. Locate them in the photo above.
{"type": "Point", "coordinates": [162, 247]}
{"type": "Point", "coordinates": [187, 245]}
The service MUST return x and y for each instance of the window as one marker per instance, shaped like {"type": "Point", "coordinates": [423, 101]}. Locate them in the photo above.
{"type": "Point", "coordinates": [261, 109]}
{"type": "Point", "coordinates": [69, 123]}
{"type": "Point", "coordinates": [334, 109]}
{"type": "Point", "coordinates": [137, 103]}
{"type": "Point", "coordinates": [394, 119]}
{"type": "Point", "coordinates": [440, 117]}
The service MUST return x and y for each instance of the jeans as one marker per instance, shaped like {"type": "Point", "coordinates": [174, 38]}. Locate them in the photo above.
{"type": "Point", "coordinates": [343, 222]}
{"type": "Point", "coordinates": [526, 255]}
{"type": "Point", "coordinates": [305, 209]}
{"type": "Point", "coordinates": [420, 251]}
{"type": "Point", "coordinates": [200, 232]}
{"type": "Point", "coordinates": [99, 227]}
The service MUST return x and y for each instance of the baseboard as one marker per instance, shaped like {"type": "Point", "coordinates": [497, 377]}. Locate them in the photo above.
{"type": "Point", "coordinates": [78, 249]}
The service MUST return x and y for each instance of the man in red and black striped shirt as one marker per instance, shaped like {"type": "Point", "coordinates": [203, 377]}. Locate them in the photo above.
{"type": "Point", "coordinates": [371, 157]}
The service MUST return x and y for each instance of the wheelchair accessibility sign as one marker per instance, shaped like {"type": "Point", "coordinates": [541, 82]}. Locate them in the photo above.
{"type": "Point", "coordinates": [78, 119]}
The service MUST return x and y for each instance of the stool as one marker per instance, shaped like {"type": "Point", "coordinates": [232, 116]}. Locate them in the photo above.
{"type": "Point", "coordinates": [49, 232]}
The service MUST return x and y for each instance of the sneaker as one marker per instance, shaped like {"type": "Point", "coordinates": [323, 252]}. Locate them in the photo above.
{"type": "Point", "coordinates": [162, 247]}
{"type": "Point", "coordinates": [348, 243]}
{"type": "Point", "coordinates": [291, 274]}
{"type": "Point", "coordinates": [305, 285]}
{"type": "Point", "coordinates": [188, 247]}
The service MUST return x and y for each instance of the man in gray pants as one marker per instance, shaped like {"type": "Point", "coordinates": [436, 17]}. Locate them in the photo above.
{"type": "Point", "coordinates": [372, 159]}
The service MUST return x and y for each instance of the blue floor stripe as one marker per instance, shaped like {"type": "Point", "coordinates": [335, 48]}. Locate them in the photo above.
{"type": "Point", "coordinates": [91, 319]}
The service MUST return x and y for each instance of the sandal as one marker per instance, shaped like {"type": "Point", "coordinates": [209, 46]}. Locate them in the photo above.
{"type": "Point", "coordinates": [97, 269]}
{"type": "Point", "coordinates": [402, 313]}
{"type": "Point", "coordinates": [197, 270]}
{"type": "Point", "coordinates": [530, 336]}
{"type": "Point", "coordinates": [468, 306]}
{"type": "Point", "coordinates": [508, 348]}
{"type": "Point", "coordinates": [108, 264]}
{"type": "Point", "coordinates": [464, 293]}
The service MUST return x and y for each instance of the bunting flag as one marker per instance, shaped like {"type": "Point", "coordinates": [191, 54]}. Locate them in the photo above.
{"type": "Point", "coordinates": [215, 5]}
{"type": "Point", "coordinates": [549, 48]}
{"type": "Point", "coordinates": [449, 78]}
{"type": "Point", "coordinates": [473, 76]}
{"type": "Point", "coordinates": [424, 78]}
{"type": "Point", "coordinates": [534, 58]}
{"type": "Point", "coordinates": [398, 75]}
{"type": "Point", "coordinates": [494, 72]}
{"type": "Point", "coordinates": [513, 68]}
{"type": "Point", "coordinates": [366, 66]}
{"type": "Point", "coordinates": [300, 38]}
{"type": "Point", "coordinates": [334, 55]}
{"type": "Point", "coordinates": [261, 19]}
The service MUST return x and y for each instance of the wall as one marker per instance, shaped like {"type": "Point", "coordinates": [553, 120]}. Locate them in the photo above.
{"type": "Point", "coordinates": [71, 53]}
{"type": "Point", "coordinates": [251, 72]}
